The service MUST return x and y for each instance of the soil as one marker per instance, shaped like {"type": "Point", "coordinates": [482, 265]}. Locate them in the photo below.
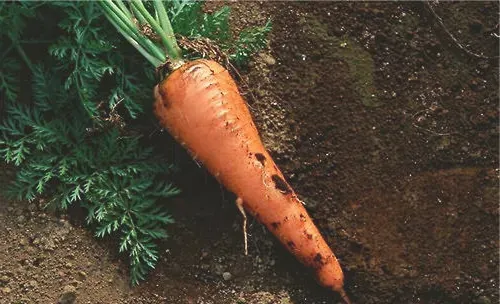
{"type": "Point", "coordinates": [382, 123]}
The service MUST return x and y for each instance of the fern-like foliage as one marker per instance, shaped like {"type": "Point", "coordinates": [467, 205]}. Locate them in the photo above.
{"type": "Point", "coordinates": [90, 52]}
{"type": "Point", "coordinates": [188, 19]}
{"type": "Point", "coordinates": [9, 83]}
{"type": "Point", "coordinates": [75, 140]}
{"type": "Point", "coordinates": [112, 173]}
{"type": "Point", "coordinates": [14, 18]}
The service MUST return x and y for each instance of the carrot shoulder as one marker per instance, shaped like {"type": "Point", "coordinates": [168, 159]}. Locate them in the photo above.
{"type": "Point", "coordinates": [200, 105]}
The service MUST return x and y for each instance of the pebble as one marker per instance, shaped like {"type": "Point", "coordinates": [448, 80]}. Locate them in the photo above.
{"type": "Point", "coordinates": [227, 276]}
{"type": "Point", "coordinates": [4, 280]}
{"type": "Point", "coordinates": [36, 241]}
{"type": "Point", "coordinates": [82, 275]}
{"type": "Point", "coordinates": [31, 284]}
{"type": "Point", "coordinates": [21, 219]}
{"type": "Point", "coordinates": [268, 59]}
{"type": "Point", "coordinates": [23, 242]}
{"type": "Point", "coordinates": [68, 295]}
{"type": "Point", "coordinates": [6, 290]}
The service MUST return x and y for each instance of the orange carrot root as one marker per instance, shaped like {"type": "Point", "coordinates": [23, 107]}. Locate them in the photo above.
{"type": "Point", "coordinates": [200, 105]}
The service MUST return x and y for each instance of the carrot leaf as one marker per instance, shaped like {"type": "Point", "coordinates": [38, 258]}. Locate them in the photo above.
{"type": "Point", "coordinates": [74, 120]}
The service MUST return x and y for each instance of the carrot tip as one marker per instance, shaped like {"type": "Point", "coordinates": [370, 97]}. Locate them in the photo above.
{"type": "Point", "coordinates": [344, 296]}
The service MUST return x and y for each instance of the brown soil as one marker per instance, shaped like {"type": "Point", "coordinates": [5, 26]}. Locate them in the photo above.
{"type": "Point", "coordinates": [387, 130]}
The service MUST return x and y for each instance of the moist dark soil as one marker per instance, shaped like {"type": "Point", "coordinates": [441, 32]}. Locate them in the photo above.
{"type": "Point", "coordinates": [387, 128]}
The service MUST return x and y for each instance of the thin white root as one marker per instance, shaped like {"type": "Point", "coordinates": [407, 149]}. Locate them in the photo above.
{"type": "Point", "coordinates": [239, 204]}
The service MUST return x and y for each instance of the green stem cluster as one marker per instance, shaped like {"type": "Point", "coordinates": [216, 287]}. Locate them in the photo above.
{"type": "Point", "coordinates": [123, 20]}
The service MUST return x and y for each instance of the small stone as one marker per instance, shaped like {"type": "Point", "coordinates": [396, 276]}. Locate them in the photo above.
{"type": "Point", "coordinates": [227, 276]}
{"type": "Point", "coordinates": [82, 275]}
{"type": "Point", "coordinates": [6, 290]}
{"type": "Point", "coordinates": [4, 280]}
{"type": "Point", "coordinates": [68, 295]}
{"type": "Point", "coordinates": [218, 269]}
{"type": "Point", "coordinates": [68, 265]}
{"type": "Point", "coordinates": [21, 219]}
{"type": "Point", "coordinates": [267, 59]}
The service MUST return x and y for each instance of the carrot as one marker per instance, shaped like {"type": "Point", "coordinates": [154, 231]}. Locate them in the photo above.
{"type": "Point", "coordinates": [200, 105]}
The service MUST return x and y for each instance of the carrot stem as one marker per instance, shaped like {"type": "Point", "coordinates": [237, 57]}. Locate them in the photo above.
{"type": "Point", "coordinates": [164, 20]}
{"type": "Point", "coordinates": [138, 15]}
{"type": "Point", "coordinates": [131, 33]}
{"type": "Point", "coordinates": [152, 59]}
{"type": "Point", "coordinates": [124, 9]}
{"type": "Point", "coordinates": [123, 18]}
{"type": "Point", "coordinates": [173, 50]}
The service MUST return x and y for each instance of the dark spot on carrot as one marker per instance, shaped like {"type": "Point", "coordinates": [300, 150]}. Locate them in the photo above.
{"type": "Point", "coordinates": [275, 225]}
{"type": "Point", "coordinates": [291, 245]}
{"type": "Point", "coordinates": [302, 218]}
{"type": "Point", "coordinates": [318, 261]}
{"type": "Point", "coordinates": [280, 184]}
{"type": "Point", "coordinates": [261, 158]}
{"type": "Point", "coordinates": [318, 258]}
{"type": "Point", "coordinates": [285, 219]}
